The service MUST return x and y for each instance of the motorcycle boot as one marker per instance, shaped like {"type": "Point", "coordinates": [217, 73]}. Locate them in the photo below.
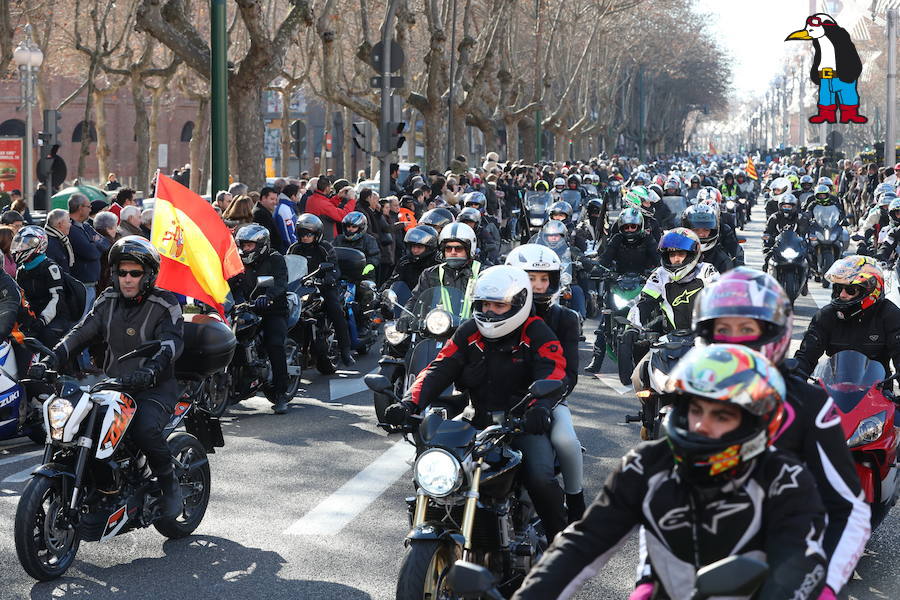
{"type": "Point", "coordinates": [171, 503]}
{"type": "Point", "coordinates": [599, 351]}
{"type": "Point", "coordinates": [575, 506]}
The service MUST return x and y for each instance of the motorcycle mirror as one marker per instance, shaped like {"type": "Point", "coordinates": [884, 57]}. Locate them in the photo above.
{"type": "Point", "coordinates": [470, 580]}
{"type": "Point", "coordinates": [732, 576]}
{"type": "Point", "coordinates": [545, 387]}
{"type": "Point", "coordinates": [389, 296]}
{"type": "Point", "coordinates": [36, 346]}
{"type": "Point", "coordinates": [377, 383]}
{"type": "Point", "coordinates": [143, 351]}
{"type": "Point", "coordinates": [264, 281]}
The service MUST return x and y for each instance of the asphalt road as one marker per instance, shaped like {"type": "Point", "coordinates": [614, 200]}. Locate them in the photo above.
{"type": "Point", "coordinates": [310, 505]}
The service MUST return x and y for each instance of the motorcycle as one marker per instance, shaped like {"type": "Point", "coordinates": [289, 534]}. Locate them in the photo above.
{"type": "Point", "coordinates": [470, 501]}
{"type": "Point", "coordinates": [826, 238]}
{"type": "Point", "coordinates": [787, 263]}
{"type": "Point", "coordinates": [313, 332]}
{"type": "Point", "coordinates": [731, 206]}
{"type": "Point", "coordinates": [535, 213]}
{"type": "Point", "coordinates": [358, 297]}
{"type": "Point", "coordinates": [20, 413]}
{"type": "Point", "coordinates": [868, 417]}
{"type": "Point", "coordinates": [413, 341]}
{"type": "Point", "coordinates": [735, 576]}
{"type": "Point", "coordinates": [619, 293]}
{"type": "Point", "coordinates": [614, 194]}
{"type": "Point", "coordinates": [94, 483]}
{"type": "Point", "coordinates": [665, 352]}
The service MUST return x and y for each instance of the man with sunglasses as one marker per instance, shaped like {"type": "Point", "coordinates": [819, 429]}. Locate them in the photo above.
{"type": "Point", "coordinates": [459, 269]}
{"type": "Point", "coordinates": [857, 318]}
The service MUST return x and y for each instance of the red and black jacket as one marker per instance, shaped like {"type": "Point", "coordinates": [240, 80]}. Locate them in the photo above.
{"type": "Point", "coordinates": [495, 373]}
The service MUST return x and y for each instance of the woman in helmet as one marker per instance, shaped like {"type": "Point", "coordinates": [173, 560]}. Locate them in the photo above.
{"type": "Point", "coordinates": [554, 235]}
{"type": "Point", "coordinates": [749, 307]}
{"type": "Point", "coordinates": [778, 187]}
{"type": "Point", "coordinates": [354, 234]}
{"type": "Point", "coordinates": [495, 357]}
{"type": "Point", "coordinates": [712, 487]}
{"type": "Point", "coordinates": [889, 237]}
{"type": "Point", "coordinates": [704, 221]}
{"type": "Point", "coordinates": [857, 318]}
{"type": "Point", "coordinates": [543, 268]}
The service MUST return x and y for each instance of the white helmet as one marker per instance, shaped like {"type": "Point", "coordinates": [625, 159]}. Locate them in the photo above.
{"type": "Point", "coordinates": [465, 235]}
{"type": "Point", "coordinates": [502, 284]}
{"type": "Point", "coordinates": [559, 182]}
{"type": "Point", "coordinates": [534, 257]}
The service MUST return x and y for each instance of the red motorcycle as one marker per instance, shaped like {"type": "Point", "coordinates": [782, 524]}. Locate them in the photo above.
{"type": "Point", "coordinates": [867, 414]}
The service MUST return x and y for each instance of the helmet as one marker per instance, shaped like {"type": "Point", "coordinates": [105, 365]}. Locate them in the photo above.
{"type": "Point", "coordinates": [823, 194]}
{"type": "Point", "coordinates": [655, 192]}
{"type": "Point", "coordinates": [747, 292]}
{"type": "Point", "coordinates": [354, 219]}
{"type": "Point", "coordinates": [541, 186]}
{"type": "Point", "coordinates": [29, 243]}
{"type": "Point", "coordinates": [475, 200]}
{"type": "Point", "coordinates": [556, 229]}
{"type": "Point", "coordinates": [695, 179]}
{"type": "Point", "coordinates": [806, 183]}
{"type": "Point", "coordinates": [136, 249]}
{"type": "Point", "coordinates": [462, 233]}
{"type": "Point", "coordinates": [561, 208]}
{"type": "Point", "coordinates": [795, 181]}
{"type": "Point", "coordinates": [893, 210]}
{"type": "Point", "coordinates": [672, 185]}
{"type": "Point", "coordinates": [727, 174]}
{"type": "Point", "coordinates": [574, 180]}
{"type": "Point", "coordinates": [559, 183]}
{"type": "Point", "coordinates": [594, 207]}
{"type": "Point", "coordinates": [739, 174]}
{"type": "Point", "coordinates": [534, 257]}
{"type": "Point", "coordinates": [702, 216]}
{"type": "Point", "coordinates": [884, 201]}
{"type": "Point", "coordinates": [637, 195]}
{"type": "Point", "coordinates": [680, 239]}
{"type": "Point", "coordinates": [437, 218]}
{"type": "Point", "coordinates": [632, 216]}
{"type": "Point", "coordinates": [501, 284]}
{"type": "Point", "coordinates": [252, 232]}
{"type": "Point", "coordinates": [779, 186]}
{"type": "Point", "coordinates": [659, 180]}
{"type": "Point", "coordinates": [309, 223]}
{"type": "Point", "coordinates": [882, 189]}
{"type": "Point", "coordinates": [471, 216]}
{"type": "Point", "coordinates": [859, 271]}
{"type": "Point", "coordinates": [826, 181]}
{"type": "Point", "coordinates": [424, 235]}
{"type": "Point", "coordinates": [642, 179]}
{"type": "Point", "coordinates": [729, 374]}
{"type": "Point", "coordinates": [788, 204]}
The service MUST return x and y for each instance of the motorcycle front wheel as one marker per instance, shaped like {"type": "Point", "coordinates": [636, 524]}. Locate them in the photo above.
{"type": "Point", "coordinates": [45, 549]}
{"type": "Point", "coordinates": [790, 281]}
{"type": "Point", "coordinates": [625, 356]}
{"type": "Point", "coordinates": [424, 570]}
{"type": "Point", "coordinates": [195, 486]}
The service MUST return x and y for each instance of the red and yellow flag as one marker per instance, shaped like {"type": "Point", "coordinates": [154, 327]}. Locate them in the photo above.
{"type": "Point", "coordinates": [712, 148]}
{"type": "Point", "coordinates": [197, 251]}
{"type": "Point", "coordinates": [751, 169]}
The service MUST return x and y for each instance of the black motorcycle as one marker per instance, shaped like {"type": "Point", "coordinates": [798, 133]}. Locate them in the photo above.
{"type": "Point", "coordinates": [94, 483]}
{"type": "Point", "coordinates": [358, 297]}
{"type": "Point", "coordinates": [313, 332]}
{"type": "Point", "coordinates": [826, 239]}
{"type": "Point", "coordinates": [470, 501]}
{"type": "Point", "coordinates": [535, 212]}
{"type": "Point", "coordinates": [787, 263]}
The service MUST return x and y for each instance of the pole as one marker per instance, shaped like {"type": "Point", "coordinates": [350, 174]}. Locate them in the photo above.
{"type": "Point", "coordinates": [450, 94]}
{"type": "Point", "coordinates": [641, 113]}
{"type": "Point", "coordinates": [219, 100]}
{"type": "Point", "coordinates": [802, 105]}
{"type": "Point", "coordinates": [890, 137]}
{"type": "Point", "coordinates": [384, 156]}
{"type": "Point", "coordinates": [785, 127]}
{"type": "Point", "coordinates": [28, 169]}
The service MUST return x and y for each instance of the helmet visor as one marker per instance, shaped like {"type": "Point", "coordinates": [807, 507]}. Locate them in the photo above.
{"type": "Point", "coordinates": [676, 241]}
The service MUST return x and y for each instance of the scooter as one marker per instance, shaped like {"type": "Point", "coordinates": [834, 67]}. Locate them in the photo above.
{"type": "Point", "coordinates": [868, 417]}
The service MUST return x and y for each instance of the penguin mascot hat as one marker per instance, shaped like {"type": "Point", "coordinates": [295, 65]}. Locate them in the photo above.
{"type": "Point", "coordinates": [835, 69]}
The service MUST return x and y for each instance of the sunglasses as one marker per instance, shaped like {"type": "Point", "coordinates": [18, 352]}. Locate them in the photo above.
{"type": "Point", "coordinates": [307, 234]}
{"type": "Point", "coordinates": [629, 227]}
{"type": "Point", "coordinates": [817, 22]}
{"type": "Point", "coordinates": [135, 273]}
{"type": "Point", "coordinates": [852, 290]}
{"type": "Point", "coordinates": [453, 249]}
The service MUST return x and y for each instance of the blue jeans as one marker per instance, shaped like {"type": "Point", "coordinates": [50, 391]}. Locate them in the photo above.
{"type": "Point", "coordinates": [834, 91]}
{"type": "Point", "coordinates": [84, 359]}
{"type": "Point", "coordinates": [578, 303]}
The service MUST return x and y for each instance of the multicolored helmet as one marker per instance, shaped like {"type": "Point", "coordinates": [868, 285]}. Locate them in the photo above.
{"type": "Point", "coordinates": [684, 240]}
{"type": "Point", "coordinates": [730, 374]}
{"type": "Point", "coordinates": [860, 276]}
{"type": "Point", "coordinates": [636, 195]}
{"type": "Point", "coordinates": [749, 293]}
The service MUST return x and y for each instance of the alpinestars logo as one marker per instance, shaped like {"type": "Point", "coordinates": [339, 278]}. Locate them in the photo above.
{"type": "Point", "coordinates": [685, 297]}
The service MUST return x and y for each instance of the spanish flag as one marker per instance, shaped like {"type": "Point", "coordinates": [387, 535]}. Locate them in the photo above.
{"type": "Point", "coordinates": [197, 251]}
{"type": "Point", "coordinates": [751, 169]}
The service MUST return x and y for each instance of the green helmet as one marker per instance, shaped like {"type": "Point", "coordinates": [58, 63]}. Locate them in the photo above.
{"type": "Point", "coordinates": [636, 195]}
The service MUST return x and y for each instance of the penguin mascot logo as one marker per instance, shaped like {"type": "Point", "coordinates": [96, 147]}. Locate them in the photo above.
{"type": "Point", "coordinates": [836, 67]}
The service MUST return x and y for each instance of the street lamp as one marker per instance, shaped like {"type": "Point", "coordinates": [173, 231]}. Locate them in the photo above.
{"type": "Point", "coordinates": [28, 57]}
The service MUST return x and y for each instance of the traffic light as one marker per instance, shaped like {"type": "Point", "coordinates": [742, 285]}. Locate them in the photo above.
{"type": "Point", "coordinates": [396, 140]}
{"type": "Point", "coordinates": [298, 138]}
{"type": "Point", "coordinates": [50, 135]}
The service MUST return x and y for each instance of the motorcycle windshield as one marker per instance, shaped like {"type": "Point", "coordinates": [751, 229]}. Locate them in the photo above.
{"type": "Point", "coordinates": [826, 216]}
{"type": "Point", "coordinates": [537, 202]}
{"type": "Point", "coordinates": [788, 239]}
{"type": "Point", "coordinates": [573, 197]}
{"type": "Point", "coordinates": [592, 191]}
{"type": "Point", "coordinates": [562, 251]}
{"type": "Point", "coordinates": [847, 376]}
{"type": "Point", "coordinates": [452, 300]}
{"type": "Point", "coordinates": [676, 204]}
{"type": "Point", "coordinates": [297, 270]}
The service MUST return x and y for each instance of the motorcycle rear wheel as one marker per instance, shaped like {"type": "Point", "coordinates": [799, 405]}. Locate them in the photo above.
{"type": "Point", "coordinates": [44, 550]}
{"type": "Point", "coordinates": [195, 486]}
{"type": "Point", "coordinates": [326, 350]}
{"type": "Point", "coordinates": [218, 387]}
{"type": "Point", "coordinates": [424, 569]}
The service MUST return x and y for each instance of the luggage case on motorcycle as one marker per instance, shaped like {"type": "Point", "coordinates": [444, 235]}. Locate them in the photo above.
{"type": "Point", "coordinates": [351, 262]}
{"type": "Point", "coordinates": [208, 347]}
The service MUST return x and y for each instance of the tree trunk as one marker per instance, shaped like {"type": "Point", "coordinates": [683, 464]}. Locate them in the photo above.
{"type": "Point", "coordinates": [512, 139]}
{"type": "Point", "coordinates": [155, 97]}
{"type": "Point", "coordinates": [347, 146]}
{"type": "Point", "coordinates": [200, 146]}
{"type": "Point", "coordinates": [435, 133]}
{"type": "Point", "coordinates": [286, 138]}
{"type": "Point", "coordinates": [102, 146]}
{"type": "Point", "coordinates": [141, 132]}
{"type": "Point", "coordinates": [247, 125]}
{"type": "Point", "coordinates": [86, 129]}
{"type": "Point", "coordinates": [529, 141]}
{"type": "Point", "coordinates": [323, 152]}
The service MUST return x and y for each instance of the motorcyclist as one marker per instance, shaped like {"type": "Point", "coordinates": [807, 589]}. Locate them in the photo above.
{"type": "Point", "coordinates": [421, 253]}
{"type": "Point", "coordinates": [495, 356]}
{"type": "Point", "coordinates": [777, 187]}
{"type": "Point", "coordinates": [695, 507]}
{"type": "Point", "coordinates": [729, 187]}
{"type": "Point", "coordinates": [694, 188]}
{"type": "Point", "coordinates": [127, 315]}
{"type": "Point", "coordinates": [459, 269]}
{"type": "Point", "coordinates": [559, 186]}
{"type": "Point", "coordinates": [891, 235]}
{"type": "Point", "coordinates": [788, 217]}
{"type": "Point", "coordinates": [807, 183]}
{"type": "Point", "coordinates": [487, 233]}
{"type": "Point", "coordinates": [592, 226]}
{"type": "Point", "coordinates": [562, 211]}
{"type": "Point", "coordinates": [42, 283]}
{"type": "Point", "coordinates": [876, 220]}
{"type": "Point", "coordinates": [858, 317]}
{"type": "Point", "coordinates": [554, 235]}
{"type": "Point", "coordinates": [354, 234]}
{"type": "Point", "coordinates": [661, 211]}
{"type": "Point", "coordinates": [639, 197]}
{"type": "Point", "coordinates": [728, 239]}
{"type": "Point", "coordinates": [309, 244]}
{"type": "Point", "coordinates": [542, 266]}
{"type": "Point", "coordinates": [749, 307]}
{"type": "Point", "coordinates": [703, 220]}
{"type": "Point", "coordinates": [260, 260]}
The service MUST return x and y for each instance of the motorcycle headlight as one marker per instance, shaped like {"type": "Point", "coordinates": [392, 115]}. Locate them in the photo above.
{"type": "Point", "coordinates": [58, 412]}
{"type": "Point", "coordinates": [438, 472]}
{"type": "Point", "coordinates": [536, 222]}
{"type": "Point", "coordinates": [620, 302]}
{"type": "Point", "coordinates": [790, 253]}
{"type": "Point", "coordinates": [438, 322]}
{"type": "Point", "coordinates": [730, 205]}
{"type": "Point", "coordinates": [393, 336]}
{"type": "Point", "coordinates": [869, 430]}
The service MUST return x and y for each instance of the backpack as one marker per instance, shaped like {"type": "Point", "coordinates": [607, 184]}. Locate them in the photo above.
{"type": "Point", "coordinates": [75, 295]}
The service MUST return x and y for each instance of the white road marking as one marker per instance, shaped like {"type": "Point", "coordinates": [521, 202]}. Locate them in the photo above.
{"type": "Point", "coordinates": [335, 512]}
{"type": "Point", "coordinates": [21, 476]}
{"type": "Point", "coordinates": [347, 386]}
{"type": "Point", "coordinates": [820, 295]}
{"type": "Point", "coordinates": [19, 457]}
{"type": "Point", "coordinates": [14, 443]}
{"type": "Point", "coordinates": [613, 382]}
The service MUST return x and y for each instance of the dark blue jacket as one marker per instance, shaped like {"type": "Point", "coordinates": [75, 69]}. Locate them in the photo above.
{"type": "Point", "coordinates": [87, 252]}
{"type": "Point", "coordinates": [57, 252]}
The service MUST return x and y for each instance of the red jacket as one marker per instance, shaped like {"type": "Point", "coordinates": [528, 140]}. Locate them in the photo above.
{"type": "Point", "coordinates": [322, 206]}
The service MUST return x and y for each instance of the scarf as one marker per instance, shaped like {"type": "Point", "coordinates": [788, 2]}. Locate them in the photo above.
{"type": "Point", "coordinates": [64, 240]}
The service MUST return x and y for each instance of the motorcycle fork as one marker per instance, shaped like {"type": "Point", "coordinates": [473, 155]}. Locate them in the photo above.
{"type": "Point", "coordinates": [468, 522]}
{"type": "Point", "coordinates": [85, 443]}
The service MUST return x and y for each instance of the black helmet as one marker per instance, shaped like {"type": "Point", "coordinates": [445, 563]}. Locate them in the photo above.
{"type": "Point", "coordinates": [471, 216]}
{"type": "Point", "coordinates": [594, 207]}
{"type": "Point", "coordinates": [437, 218]}
{"type": "Point", "coordinates": [355, 219]}
{"type": "Point", "coordinates": [136, 249]}
{"type": "Point", "coordinates": [561, 207]}
{"type": "Point", "coordinates": [424, 235]}
{"type": "Point", "coordinates": [702, 216]}
{"type": "Point", "coordinates": [789, 205]}
{"type": "Point", "coordinates": [309, 223]}
{"type": "Point", "coordinates": [257, 234]}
